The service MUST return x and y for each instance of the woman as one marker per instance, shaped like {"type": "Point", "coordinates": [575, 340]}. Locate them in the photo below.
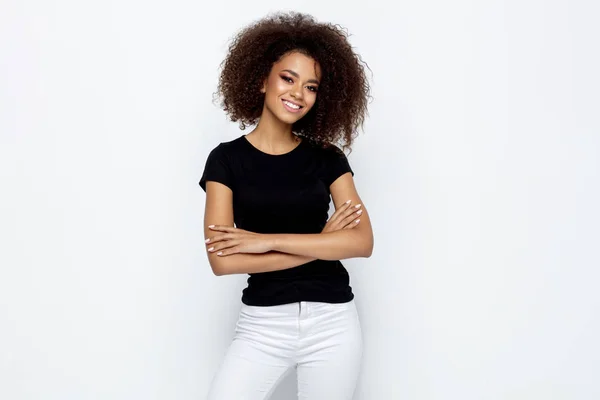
{"type": "Point", "coordinates": [306, 88]}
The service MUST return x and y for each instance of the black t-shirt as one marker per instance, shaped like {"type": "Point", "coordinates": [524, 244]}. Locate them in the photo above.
{"type": "Point", "coordinates": [287, 193]}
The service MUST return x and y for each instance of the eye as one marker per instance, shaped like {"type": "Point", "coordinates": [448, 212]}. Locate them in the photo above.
{"type": "Point", "coordinates": [285, 78]}
{"type": "Point", "coordinates": [312, 88]}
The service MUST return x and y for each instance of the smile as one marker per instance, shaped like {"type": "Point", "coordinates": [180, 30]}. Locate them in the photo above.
{"type": "Point", "coordinates": [291, 107]}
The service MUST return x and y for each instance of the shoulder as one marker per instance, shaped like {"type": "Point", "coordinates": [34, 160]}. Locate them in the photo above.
{"type": "Point", "coordinates": [233, 144]}
{"type": "Point", "coordinates": [221, 164]}
{"type": "Point", "coordinates": [333, 161]}
{"type": "Point", "coordinates": [334, 151]}
{"type": "Point", "coordinates": [332, 157]}
{"type": "Point", "coordinates": [327, 150]}
{"type": "Point", "coordinates": [226, 149]}
{"type": "Point", "coordinates": [334, 154]}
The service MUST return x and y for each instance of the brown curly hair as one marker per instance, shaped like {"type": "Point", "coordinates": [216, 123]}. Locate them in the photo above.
{"type": "Point", "coordinates": [341, 104]}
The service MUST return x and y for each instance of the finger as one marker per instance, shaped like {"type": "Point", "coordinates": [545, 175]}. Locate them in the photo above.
{"type": "Point", "coordinates": [352, 224]}
{"type": "Point", "coordinates": [340, 210]}
{"type": "Point", "coordinates": [227, 252]}
{"type": "Point", "coordinates": [213, 239]}
{"type": "Point", "coordinates": [339, 220]}
{"type": "Point", "coordinates": [353, 209]}
{"type": "Point", "coordinates": [222, 228]}
{"type": "Point", "coordinates": [351, 216]}
{"type": "Point", "coordinates": [223, 245]}
{"type": "Point", "coordinates": [219, 238]}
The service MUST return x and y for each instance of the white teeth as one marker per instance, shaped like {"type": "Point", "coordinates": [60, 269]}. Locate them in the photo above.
{"type": "Point", "coordinates": [291, 105]}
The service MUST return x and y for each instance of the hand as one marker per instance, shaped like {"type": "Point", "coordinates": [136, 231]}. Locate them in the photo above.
{"type": "Point", "coordinates": [345, 217]}
{"type": "Point", "coordinates": [234, 240]}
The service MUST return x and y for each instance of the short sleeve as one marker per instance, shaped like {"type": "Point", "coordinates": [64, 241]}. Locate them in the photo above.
{"type": "Point", "coordinates": [336, 165]}
{"type": "Point", "coordinates": [217, 168]}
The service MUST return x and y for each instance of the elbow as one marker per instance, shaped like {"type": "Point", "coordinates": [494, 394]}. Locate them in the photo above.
{"type": "Point", "coordinates": [364, 247]}
{"type": "Point", "coordinates": [217, 265]}
{"type": "Point", "coordinates": [368, 250]}
{"type": "Point", "coordinates": [362, 252]}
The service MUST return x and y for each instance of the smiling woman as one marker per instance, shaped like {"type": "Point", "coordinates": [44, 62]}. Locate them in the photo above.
{"type": "Point", "coordinates": [267, 204]}
{"type": "Point", "coordinates": [293, 84]}
{"type": "Point", "coordinates": [338, 75]}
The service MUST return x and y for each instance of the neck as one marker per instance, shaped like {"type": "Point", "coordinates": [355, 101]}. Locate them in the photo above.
{"type": "Point", "coordinates": [272, 134]}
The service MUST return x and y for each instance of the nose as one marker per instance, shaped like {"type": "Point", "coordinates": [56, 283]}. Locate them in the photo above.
{"type": "Point", "coordinates": [296, 92]}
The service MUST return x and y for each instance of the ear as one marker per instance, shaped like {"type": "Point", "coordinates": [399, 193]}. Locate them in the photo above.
{"type": "Point", "coordinates": [263, 89]}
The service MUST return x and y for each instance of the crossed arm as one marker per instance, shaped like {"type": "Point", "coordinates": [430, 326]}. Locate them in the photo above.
{"type": "Point", "coordinates": [271, 252]}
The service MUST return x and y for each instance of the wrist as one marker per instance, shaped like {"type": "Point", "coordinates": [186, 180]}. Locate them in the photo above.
{"type": "Point", "coordinates": [272, 241]}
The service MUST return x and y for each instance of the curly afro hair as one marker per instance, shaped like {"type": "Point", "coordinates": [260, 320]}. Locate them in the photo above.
{"type": "Point", "coordinates": [341, 104]}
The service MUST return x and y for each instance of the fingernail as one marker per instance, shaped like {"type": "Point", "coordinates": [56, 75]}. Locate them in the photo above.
{"type": "Point", "coordinates": [211, 249]}
{"type": "Point", "coordinates": [207, 240]}
{"type": "Point", "coordinates": [348, 201]}
{"type": "Point", "coordinates": [359, 212]}
{"type": "Point", "coordinates": [219, 253]}
{"type": "Point", "coordinates": [211, 226]}
{"type": "Point", "coordinates": [357, 221]}
{"type": "Point", "coordinates": [357, 206]}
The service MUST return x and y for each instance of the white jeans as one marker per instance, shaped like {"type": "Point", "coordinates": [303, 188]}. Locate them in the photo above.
{"type": "Point", "coordinates": [322, 341]}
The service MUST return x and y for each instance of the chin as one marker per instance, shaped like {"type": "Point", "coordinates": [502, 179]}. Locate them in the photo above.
{"type": "Point", "coordinates": [285, 116]}
{"type": "Point", "coordinates": [289, 119]}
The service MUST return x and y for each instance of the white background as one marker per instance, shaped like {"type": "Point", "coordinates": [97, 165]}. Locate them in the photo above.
{"type": "Point", "coordinates": [479, 166]}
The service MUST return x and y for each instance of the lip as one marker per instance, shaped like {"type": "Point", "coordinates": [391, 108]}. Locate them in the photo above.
{"type": "Point", "coordinates": [293, 110]}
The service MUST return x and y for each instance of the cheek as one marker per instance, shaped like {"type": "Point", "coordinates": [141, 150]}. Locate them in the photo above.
{"type": "Point", "coordinates": [310, 100]}
{"type": "Point", "coordinates": [278, 87]}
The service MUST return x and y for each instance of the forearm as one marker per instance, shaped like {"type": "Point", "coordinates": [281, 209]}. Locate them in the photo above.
{"type": "Point", "coordinates": [243, 263]}
{"type": "Point", "coordinates": [338, 245]}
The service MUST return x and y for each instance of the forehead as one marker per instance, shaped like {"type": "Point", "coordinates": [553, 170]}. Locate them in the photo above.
{"type": "Point", "coordinates": [304, 65]}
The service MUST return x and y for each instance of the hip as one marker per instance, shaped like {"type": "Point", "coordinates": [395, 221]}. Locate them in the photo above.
{"type": "Point", "coordinates": [299, 323]}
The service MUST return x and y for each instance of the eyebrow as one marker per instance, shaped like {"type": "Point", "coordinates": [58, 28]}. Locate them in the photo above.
{"type": "Point", "coordinates": [298, 76]}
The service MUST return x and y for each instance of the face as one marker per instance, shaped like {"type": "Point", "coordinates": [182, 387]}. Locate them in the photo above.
{"type": "Point", "coordinates": [291, 87]}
